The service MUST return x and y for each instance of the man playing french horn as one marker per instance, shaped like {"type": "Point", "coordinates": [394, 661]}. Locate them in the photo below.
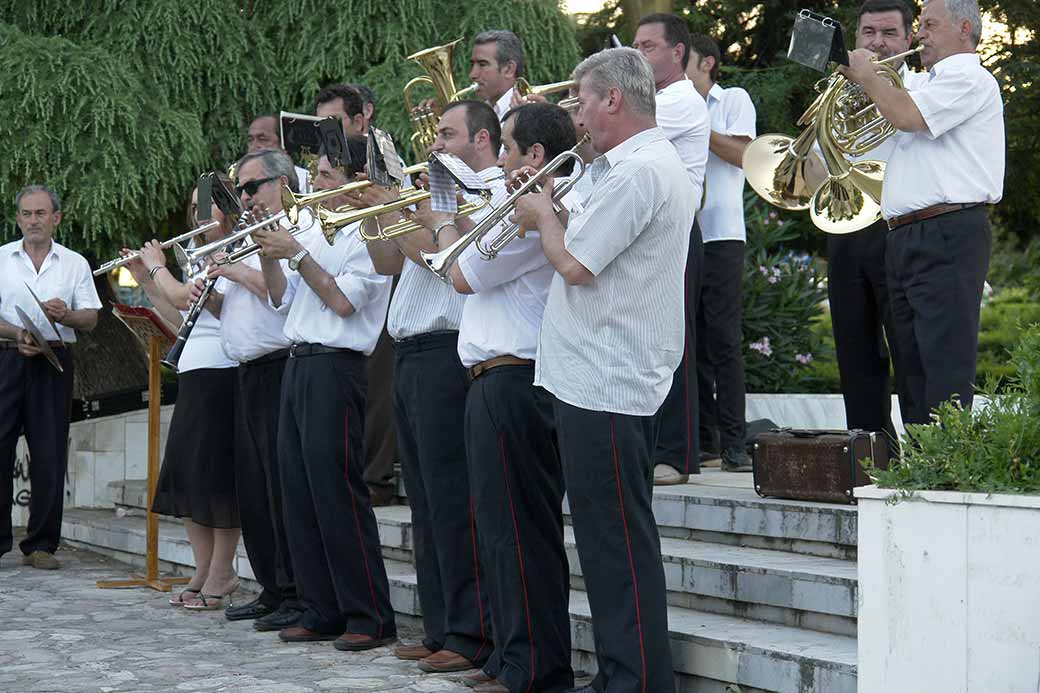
{"type": "Point", "coordinates": [946, 164]}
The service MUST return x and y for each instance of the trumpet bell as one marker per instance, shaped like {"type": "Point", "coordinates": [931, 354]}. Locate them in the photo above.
{"type": "Point", "coordinates": [849, 203]}
{"type": "Point", "coordinates": [779, 175]}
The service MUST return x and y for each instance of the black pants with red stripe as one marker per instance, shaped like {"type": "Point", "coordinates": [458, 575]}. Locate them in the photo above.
{"type": "Point", "coordinates": [678, 418]}
{"type": "Point", "coordinates": [37, 399]}
{"type": "Point", "coordinates": [607, 464]}
{"type": "Point", "coordinates": [340, 577]}
{"type": "Point", "coordinates": [429, 406]}
{"type": "Point", "coordinates": [517, 486]}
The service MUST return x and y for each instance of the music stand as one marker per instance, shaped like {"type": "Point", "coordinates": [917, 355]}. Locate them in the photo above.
{"type": "Point", "coordinates": [154, 332]}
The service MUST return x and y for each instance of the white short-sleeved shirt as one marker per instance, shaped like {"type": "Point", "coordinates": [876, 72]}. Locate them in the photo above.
{"type": "Point", "coordinates": [249, 326]}
{"type": "Point", "coordinates": [504, 314]}
{"type": "Point", "coordinates": [504, 103]}
{"type": "Point", "coordinates": [64, 274]}
{"type": "Point", "coordinates": [204, 348]}
{"type": "Point", "coordinates": [722, 217]}
{"type": "Point", "coordinates": [683, 117]}
{"type": "Point", "coordinates": [309, 320]}
{"type": "Point", "coordinates": [959, 158]}
{"type": "Point", "coordinates": [612, 344]}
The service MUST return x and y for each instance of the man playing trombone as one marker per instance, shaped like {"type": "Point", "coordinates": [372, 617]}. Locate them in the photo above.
{"type": "Point", "coordinates": [510, 435]}
{"type": "Point", "coordinates": [334, 303]}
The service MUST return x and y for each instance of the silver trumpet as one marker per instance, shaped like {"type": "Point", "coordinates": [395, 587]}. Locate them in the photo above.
{"type": "Point", "coordinates": [196, 257]}
{"type": "Point", "coordinates": [176, 240]}
{"type": "Point", "coordinates": [440, 263]}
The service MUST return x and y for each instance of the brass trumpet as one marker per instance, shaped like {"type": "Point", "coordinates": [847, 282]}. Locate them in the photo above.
{"type": "Point", "coordinates": [524, 88]}
{"type": "Point", "coordinates": [120, 261]}
{"type": "Point", "coordinates": [440, 263]}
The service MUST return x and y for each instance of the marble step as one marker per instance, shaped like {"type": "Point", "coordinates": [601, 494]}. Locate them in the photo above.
{"type": "Point", "coordinates": [710, 650]}
{"type": "Point", "coordinates": [776, 586]}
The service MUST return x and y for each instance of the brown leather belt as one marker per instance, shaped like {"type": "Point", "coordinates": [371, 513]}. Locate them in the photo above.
{"type": "Point", "coordinates": [479, 369]}
{"type": "Point", "coordinates": [927, 213]}
{"type": "Point", "coordinates": [8, 344]}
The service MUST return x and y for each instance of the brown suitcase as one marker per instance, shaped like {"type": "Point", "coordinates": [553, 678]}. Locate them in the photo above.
{"type": "Point", "coordinates": [815, 465]}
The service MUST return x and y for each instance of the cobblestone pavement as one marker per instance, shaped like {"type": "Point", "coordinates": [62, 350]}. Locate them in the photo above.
{"type": "Point", "coordinates": [59, 633]}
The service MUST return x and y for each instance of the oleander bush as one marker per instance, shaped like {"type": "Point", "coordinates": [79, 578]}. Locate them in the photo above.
{"type": "Point", "coordinates": [994, 448]}
{"type": "Point", "coordinates": [783, 290]}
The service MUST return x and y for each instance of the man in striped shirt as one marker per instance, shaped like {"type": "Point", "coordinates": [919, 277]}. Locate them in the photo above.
{"type": "Point", "coordinates": [611, 338]}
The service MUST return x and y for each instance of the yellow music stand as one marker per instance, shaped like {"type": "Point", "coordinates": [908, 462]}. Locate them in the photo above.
{"type": "Point", "coordinates": [154, 332]}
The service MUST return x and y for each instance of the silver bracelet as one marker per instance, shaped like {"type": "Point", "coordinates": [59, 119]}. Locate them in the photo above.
{"type": "Point", "coordinates": [440, 227]}
{"type": "Point", "coordinates": [154, 271]}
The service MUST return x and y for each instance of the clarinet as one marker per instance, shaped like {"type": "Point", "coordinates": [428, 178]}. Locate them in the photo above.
{"type": "Point", "coordinates": [173, 356]}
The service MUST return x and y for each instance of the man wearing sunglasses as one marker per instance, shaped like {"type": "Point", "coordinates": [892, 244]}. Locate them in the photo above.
{"type": "Point", "coordinates": [252, 334]}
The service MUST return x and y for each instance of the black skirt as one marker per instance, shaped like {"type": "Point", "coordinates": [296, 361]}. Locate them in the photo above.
{"type": "Point", "coordinates": [197, 478]}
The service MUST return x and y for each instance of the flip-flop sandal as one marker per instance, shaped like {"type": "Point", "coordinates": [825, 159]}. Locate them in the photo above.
{"type": "Point", "coordinates": [179, 599]}
{"type": "Point", "coordinates": [213, 602]}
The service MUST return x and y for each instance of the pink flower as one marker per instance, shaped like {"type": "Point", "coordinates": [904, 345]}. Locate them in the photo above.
{"type": "Point", "coordinates": [762, 346]}
{"type": "Point", "coordinates": [773, 279]}
{"type": "Point", "coordinates": [803, 359]}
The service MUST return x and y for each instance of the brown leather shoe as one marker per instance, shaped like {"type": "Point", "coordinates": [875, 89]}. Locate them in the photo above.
{"type": "Point", "coordinates": [476, 678]}
{"type": "Point", "coordinates": [412, 653]}
{"type": "Point", "coordinates": [41, 560]}
{"type": "Point", "coordinates": [301, 634]}
{"type": "Point", "coordinates": [490, 687]}
{"type": "Point", "coordinates": [356, 642]}
{"type": "Point", "coordinates": [444, 660]}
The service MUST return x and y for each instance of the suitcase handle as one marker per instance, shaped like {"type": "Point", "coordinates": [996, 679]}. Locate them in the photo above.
{"type": "Point", "coordinates": [811, 432]}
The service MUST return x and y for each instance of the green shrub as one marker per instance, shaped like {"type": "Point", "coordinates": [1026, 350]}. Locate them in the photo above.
{"type": "Point", "coordinates": [993, 449]}
{"type": "Point", "coordinates": [782, 295]}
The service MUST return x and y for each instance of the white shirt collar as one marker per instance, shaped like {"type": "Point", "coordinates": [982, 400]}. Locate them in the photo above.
{"type": "Point", "coordinates": [715, 92]}
{"type": "Point", "coordinates": [957, 61]}
{"type": "Point", "coordinates": [19, 248]}
{"type": "Point", "coordinates": [503, 103]}
{"type": "Point", "coordinates": [633, 143]}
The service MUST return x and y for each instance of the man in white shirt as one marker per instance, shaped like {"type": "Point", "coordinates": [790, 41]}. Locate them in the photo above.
{"type": "Point", "coordinates": [495, 64]}
{"type": "Point", "coordinates": [335, 304]}
{"type": "Point", "coordinates": [34, 396]}
{"type": "Point", "coordinates": [517, 481]}
{"type": "Point", "coordinates": [720, 358]}
{"type": "Point", "coordinates": [252, 334]}
{"type": "Point", "coordinates": [946, 165]}
{"type": "Point", "coordinates": [682, 115]}
{"type": "Point", "coordinates": [857, 288]}
{"type": "Point", "coordinates": [430, 386]}
{"type": "Point", "coordinates": [610, 341]}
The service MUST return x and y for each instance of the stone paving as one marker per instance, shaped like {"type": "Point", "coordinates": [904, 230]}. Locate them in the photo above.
{"type": "Point", "coordinates": [60, 633]}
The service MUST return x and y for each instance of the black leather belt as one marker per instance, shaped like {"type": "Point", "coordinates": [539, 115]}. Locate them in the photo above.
{"type": "Point", "coordinates": [276, 355]}
{"type": "Point", "coordinates": [428, 340]}
{"type": "Point", "coordinates": [306, 349]}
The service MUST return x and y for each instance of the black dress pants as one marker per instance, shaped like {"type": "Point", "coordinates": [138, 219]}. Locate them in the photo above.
{"type": "Point", "coordinates": [936, 270]}
{"type": "Point", "coordinates": [607, 465]}
{"type": "Point", "coordinates": [517, 486]}
{"type": "Point", "coordinates": [37, 399]}
{"type": "Point", "coordinates": [857, 290]}
{"type": "Point", "coordinates": [258, 479]}
{"type": "Point", "coordinates": [678, 419]}
{"type": "Point", "coordinates": [430, 404]}
{"type": "Point", "coordinates": [720, 360]}
{"type": "Point", "coordinates": [336, 553]}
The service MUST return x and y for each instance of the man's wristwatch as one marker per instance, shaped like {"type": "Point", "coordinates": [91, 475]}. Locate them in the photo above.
{"type": "Point", "coordinates": [295, 260]}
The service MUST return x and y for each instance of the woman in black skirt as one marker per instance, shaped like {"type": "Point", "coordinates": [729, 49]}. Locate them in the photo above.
{"type": "Point", "coordinates": [196, 481]}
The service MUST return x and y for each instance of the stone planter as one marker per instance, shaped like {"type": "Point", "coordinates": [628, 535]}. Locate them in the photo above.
{"type": "Point", "coordinates": [949, 592]}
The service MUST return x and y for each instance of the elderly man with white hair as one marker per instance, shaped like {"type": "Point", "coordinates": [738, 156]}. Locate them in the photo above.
{"type": "Point", "coordinates": [611, 338]}
{"type": "Point", "coordinates": [947, 164]}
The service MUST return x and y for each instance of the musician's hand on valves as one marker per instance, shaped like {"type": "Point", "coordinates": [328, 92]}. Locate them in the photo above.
{"type": "Point", "coordinates": [518, 100]}
{"type": "Point", "coordinates": [534, 209]}
{"type": "Point", "coordinates": [424, 214]}
{"type": "Point", "coordinates": [27, 345]}
{"type": "Point", "coordinates": [861, 68]}
{"type": "Point", "coordinates": [57, 310]}
{"type": "Point", "coordinates": [195, 290]}
{"type": "Point", "coordinates": [220, 267]}
{"type": "Point", "coordinates": [372, 195]}
{"type": "Point", "coordinates": [277, 243]}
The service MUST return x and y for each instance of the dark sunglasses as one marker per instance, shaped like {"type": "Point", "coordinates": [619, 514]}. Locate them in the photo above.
{"type": "Point", "coordinates": [252, 186]}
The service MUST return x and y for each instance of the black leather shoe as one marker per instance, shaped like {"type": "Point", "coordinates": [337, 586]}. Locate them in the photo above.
{"type": "Point", "coordinates": [283, 617]}
{"type": "Point", "coordinates": [246, 612]}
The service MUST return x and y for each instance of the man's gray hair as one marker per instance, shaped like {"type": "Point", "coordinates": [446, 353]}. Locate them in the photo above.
{"type": "Point", "coordinates": [276, 163]}
{"type": "Point", "coordinates": [961, 10]}
{"type": "Point", "coordinates": [31, 189]}
{"type": "Point", "coordinates": [507, 47]}
{"type": "Point", "coordinates": [623, 68]}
